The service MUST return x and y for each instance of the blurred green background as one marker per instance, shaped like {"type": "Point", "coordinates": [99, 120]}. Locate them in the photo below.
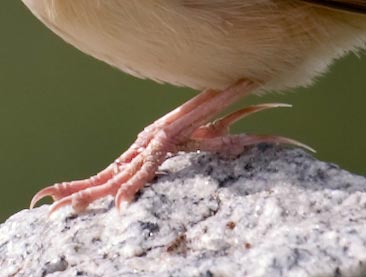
{"type": "Point", "coordinates": [64, 115]}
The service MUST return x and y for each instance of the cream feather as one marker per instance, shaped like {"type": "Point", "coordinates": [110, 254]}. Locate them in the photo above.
{"type": "Point", "coordinates": [207, 43]}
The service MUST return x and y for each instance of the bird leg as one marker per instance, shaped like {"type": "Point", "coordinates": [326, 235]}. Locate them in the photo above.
{"type": "Point", "coordinates": [61, 190]}
{"type": "Point", "coordinates": [181, 129]}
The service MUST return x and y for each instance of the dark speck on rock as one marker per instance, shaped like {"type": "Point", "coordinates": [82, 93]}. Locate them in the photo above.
{"type": "Point", "coordinates": [96, 239]}
{"type": "Point", "coordinates": [263, 147]}
{"type": "Point", "coordinates": [337, 272]}
{"type": "Point", "coordinates": [248, 167]}
{"type": "Point", "coordinates": [149, 226]}
{"type": "Point", "coordinates": [178, 245]}
{"type": "Point", "coordinates": [321, 174]}
{"type": "Point", "coordinates": [56, 266]}
{"type": "Point", "coordinates": [230, 225]}
{"type": "Point", "coordinates": [71, 217]}
{"type": "Point", "coordinates": [207, 274]}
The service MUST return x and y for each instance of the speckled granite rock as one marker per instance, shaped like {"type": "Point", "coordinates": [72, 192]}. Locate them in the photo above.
{"type": "Point", "coordinates": [270, 212]}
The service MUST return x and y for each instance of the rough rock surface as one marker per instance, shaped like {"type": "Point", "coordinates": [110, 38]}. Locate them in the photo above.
{"type": "Point", "coordinates": [272, 211]}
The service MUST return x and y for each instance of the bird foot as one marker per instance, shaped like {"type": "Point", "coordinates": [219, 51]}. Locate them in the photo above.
{"type": "Point", "coordinates": [185, 128]}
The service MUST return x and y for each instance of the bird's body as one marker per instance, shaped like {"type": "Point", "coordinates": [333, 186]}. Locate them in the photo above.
{"type": "Point", "coordinates": [207, 43]}
{"type": "Point", "coordinates": [233, 46]}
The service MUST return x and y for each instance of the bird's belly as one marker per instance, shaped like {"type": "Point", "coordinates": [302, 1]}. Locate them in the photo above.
{"type": "Point", "coordinates": [186, 46]}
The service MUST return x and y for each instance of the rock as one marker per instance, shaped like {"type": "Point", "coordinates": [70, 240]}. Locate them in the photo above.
{"type": "Point", "coordinates": [273, 211]}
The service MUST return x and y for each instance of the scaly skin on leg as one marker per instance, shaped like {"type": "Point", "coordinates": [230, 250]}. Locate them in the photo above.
{"type": "Point", "coordinates": [181, 129]}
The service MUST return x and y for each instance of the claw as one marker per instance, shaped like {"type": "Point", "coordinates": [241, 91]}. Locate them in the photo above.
{"type": "Point", "coordinates": [126, 193]}
{"type": "Point", "coordinates": [60, 190]}
{"type": "Point", "coordinates": [278, 140]}
{"type": "Point", "coordinates": [285, 140]}
{"type": "Point", "coordinates": [122, 200]}
{"type": "Point", "coordinates": [234, 144]}
{"type": "Point", "coordinates": [48, 191]}
{"type": "Point", "coordinates": [59, 204]}
{"type": "Point", "coordinates": [221, 126]}
{"type": "Point", "coordinates": [57, 191]}
{"type": "Point", "coordinates": [79, 202]}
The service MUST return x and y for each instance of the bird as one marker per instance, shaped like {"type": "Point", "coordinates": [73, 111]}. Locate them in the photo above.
{"type": "Point", "coordinates": [227, 49]}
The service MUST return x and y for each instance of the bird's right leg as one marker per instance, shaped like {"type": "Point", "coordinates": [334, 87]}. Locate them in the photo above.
{"type": "Point", "coordinates": [61, 190]}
